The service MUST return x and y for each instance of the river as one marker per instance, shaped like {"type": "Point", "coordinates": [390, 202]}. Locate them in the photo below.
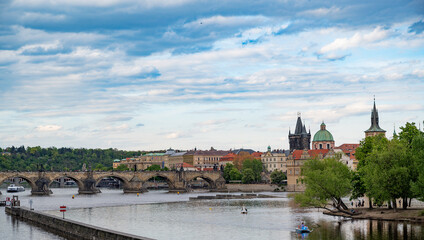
{"type": "Point", "coordinates": [160, 215]}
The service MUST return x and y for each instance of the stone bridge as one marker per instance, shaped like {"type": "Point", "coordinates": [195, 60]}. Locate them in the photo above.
{"type": "Point", "coordinates": [132, 181]}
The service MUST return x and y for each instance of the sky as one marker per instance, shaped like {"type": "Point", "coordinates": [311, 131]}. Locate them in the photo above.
{"type": "Point", "coordinates": [154, 74]}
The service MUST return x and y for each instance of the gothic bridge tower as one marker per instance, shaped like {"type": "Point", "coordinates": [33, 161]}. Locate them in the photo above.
{"type": "Point", "coordinates": [300, 139]}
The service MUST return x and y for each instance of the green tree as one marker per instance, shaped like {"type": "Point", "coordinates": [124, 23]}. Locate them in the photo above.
{"type": "Point", "coordinates": [417, 148]}
{"type": "Point", "coordinates": [277, 176]}
{"type": "Point", "coordinates": [326, 181]}
{"type": "Point", "coordinates": [235, 174]}
{"type": "Point", "coordinates": [387, 174]}
{"type": "Point", "coordinates": [248, 176]}
{"type": "Point", "coordinates": [409, 132]}
{"type": "Point", "coordinates": [122, 167]}
{"type": "Point", "coordinates": [154, 167]}
{"type": "Point", "coordinates": [256, 166]}
{"type": "Point", "coordinates": [227, 169]}
{"type": "Point", "coordinates": [366, 147]}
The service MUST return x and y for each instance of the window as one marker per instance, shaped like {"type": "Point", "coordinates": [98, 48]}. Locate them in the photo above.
{"type": "Point", "coordinates": [328, 146]}
{"type": "Point", "coordinates": [320, 146]}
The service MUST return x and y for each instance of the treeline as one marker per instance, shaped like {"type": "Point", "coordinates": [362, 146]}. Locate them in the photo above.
{"type": "Point", "coordinates": [59, 159]}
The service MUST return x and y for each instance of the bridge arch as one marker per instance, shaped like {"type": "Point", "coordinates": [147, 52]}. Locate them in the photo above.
{"type": "Point", "coordinates": [30, 181]}
{"type": "Point", "coordinates": [124, 181]}
{"type": "Point", "coordinates": [209, 180]}
{"type": "Point", "coordinates": [161, 174]}
{"type": "Point", "coordinates": [79, 183]}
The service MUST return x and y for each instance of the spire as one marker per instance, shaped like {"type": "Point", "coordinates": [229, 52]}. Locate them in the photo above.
{"type": "Point", "coordinates": [298, 129]}
{"type": "Point", "coordinates": [394, 130]}
{"type": "Point", "coordinates": [374, 121]}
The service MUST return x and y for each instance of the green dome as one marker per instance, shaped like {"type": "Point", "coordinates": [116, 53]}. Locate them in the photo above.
{"type": "Point", "coordinates": [323, 134]}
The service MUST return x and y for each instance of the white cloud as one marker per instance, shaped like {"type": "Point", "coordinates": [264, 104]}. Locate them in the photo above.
{"type": "Point", "coordinates": [357, 40]}
{"type": "Point", "coordinates": [175, 135]}
{"type": "Point", "coordinates": [121, 127]}
{"type": "Point", "coordinates": [48, 128]}
{"type": "Point", "coordinates": [321, 12]}
{"type": "Point", "coordinates": [101, 3]}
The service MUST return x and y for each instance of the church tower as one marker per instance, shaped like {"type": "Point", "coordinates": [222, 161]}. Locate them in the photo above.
{"type": "Point", "coordinates": [300, 139]}
{"type": "Point", "coordinates": [375, 128]}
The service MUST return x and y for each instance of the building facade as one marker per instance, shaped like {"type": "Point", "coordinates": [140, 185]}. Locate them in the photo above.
{"type": "Point", "coordinates": [295, 161]}
{"type": "Point", "coordinates": [348, 154]}
{"type": "Point", "coordinates": [274, 160]}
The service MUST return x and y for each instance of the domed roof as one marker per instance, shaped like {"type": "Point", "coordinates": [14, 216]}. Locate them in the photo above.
{"type": "Point", "coordinates": [323, 134]}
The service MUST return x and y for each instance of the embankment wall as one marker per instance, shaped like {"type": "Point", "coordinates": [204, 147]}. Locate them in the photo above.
{"type": "Point", "coordinates": [68, 228]}
{"type": "Point", "coordinates": [251, 187]}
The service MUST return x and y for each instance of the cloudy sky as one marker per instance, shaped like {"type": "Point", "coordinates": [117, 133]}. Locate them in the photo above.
{"type": "Point", "coordinates": [153, 74]}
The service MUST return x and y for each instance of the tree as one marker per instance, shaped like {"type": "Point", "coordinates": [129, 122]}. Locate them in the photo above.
{"type": "Point", "coordinates": [362, 152]}
{"type": "Point", "coordinates": [409, 132]}
{"type": "Point", "coordinates": [325, 180]}
{"type": "Point", "coordinates": [235, 174]}
{"type": "Point", "coordinates": [248, 176]}
{"type": "Point", "coordinates": [277, 176]}
{"type": "Point", "coordinates": [240, 158]}
{"type": "Point", "coordinates": [153, 167]}
{"type": "Point", "coordinates": [387, 174]}
{"type": "Point", "coordinates": [417, 148]}
{"type": "Point", "coordinates": [227, 169]}
{"type": "Point", "coordinates": [256, 166]}
{"type": "Point", "coordinates": [122, 167]}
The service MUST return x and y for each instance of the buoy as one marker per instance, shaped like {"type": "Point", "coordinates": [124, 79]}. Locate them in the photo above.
{"type": "Point", "coordinates": [178, 193]}
{"type": "Point", "coordinates": [138, 194]}
{"type": "Point", "coordinates": [73, 196]}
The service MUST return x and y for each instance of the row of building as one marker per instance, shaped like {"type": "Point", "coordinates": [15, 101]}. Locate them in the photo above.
{"type": "Point", "coordinates": [289, 161]}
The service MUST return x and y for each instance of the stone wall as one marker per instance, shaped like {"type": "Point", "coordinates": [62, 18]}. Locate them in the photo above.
{"type": "Point", "coordinates": [68, 228]}
{"type": "Point", "coordinates": [250, 187]}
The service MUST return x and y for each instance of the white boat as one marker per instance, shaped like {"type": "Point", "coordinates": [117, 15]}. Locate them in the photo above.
{"type": "Point", "coordinates": [14, 188]}
{"type": "Point", "coordinates": [243, 210]}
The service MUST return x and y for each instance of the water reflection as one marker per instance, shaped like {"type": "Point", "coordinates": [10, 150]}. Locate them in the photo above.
{"type": "Point", "coordinates": [272, 218]}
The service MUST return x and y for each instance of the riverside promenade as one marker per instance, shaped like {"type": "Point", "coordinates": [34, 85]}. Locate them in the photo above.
{"type": "Point", "coordinates": [68, 228]}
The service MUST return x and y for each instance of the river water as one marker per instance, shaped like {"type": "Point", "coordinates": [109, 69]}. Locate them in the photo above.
{"type": "Point", "coordinates": [160, 215]}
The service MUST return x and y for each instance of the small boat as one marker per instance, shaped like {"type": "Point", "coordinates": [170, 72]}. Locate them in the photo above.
{"type": "Point", "coordinates": [303, 230]}
{"type": "Point", "coordinates": [243, 210]}
{"type": "Point", "coordinates": [14, 188]}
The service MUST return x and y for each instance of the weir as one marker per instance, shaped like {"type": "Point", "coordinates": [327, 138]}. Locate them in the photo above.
{"type": "Point", "coordinates": [68, 228]}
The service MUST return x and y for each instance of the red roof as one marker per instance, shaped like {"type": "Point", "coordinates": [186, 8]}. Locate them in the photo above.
{"type": "Point", "coordinates": [228, 157]}
{"type": "Point", "coordinates": [349, 149]}
{"type": "Point", "coordinates": [348, 146]}
{"type": "Point", "coordinates": [297, 154]}
{"type": "Point", "coordinates": [207, 169]}
{"type": "Point", "coordinates": [257, 154]}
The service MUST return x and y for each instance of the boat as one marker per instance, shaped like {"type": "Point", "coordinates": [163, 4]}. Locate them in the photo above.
{"type": "Point", "coordinates": [303, 230]}
{"type": "Point", "coordinates": [243, 210]}
{"type": "Point", "coordinates": [14, 188]}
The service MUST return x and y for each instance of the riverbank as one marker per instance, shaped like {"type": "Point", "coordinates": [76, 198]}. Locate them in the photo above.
{"type": "Point", "coordinates": [231, 196]}
{"type": "Point", "coordinates": [251, 188]}
{"type": "Point", "coordinates": [413, 215]}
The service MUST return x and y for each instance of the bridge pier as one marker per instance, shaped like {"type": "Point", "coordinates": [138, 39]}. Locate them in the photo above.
{"type": "Point", "coordinates": [41, 187]}
{"type": "Point", "coordinates": [134, 186]}
{"type": "Point", "coordinates": [88, 187]}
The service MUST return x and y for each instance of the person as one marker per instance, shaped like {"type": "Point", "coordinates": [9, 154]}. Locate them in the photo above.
{"type": "Point", "coordinates": [302, 226]}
